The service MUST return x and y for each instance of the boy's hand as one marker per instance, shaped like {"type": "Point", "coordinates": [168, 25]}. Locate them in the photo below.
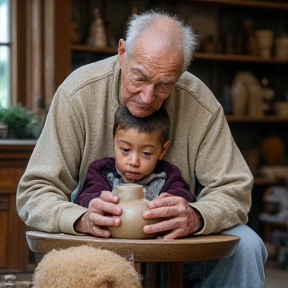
{"type": "Point", "coordinates": [179, 218]}
{"type": "Point", "coordinates": [99, 215]}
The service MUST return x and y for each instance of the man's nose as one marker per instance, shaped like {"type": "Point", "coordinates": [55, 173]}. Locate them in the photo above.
{"type": "Point", "coordinates": [147, 95]}
{"type": "Point", "coordinates": [134, 160]}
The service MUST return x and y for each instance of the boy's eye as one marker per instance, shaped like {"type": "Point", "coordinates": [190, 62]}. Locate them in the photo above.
{"type": "Point", "coordinates": [125, 150]}
{"type": "Point", "coordinates": [147, 154]}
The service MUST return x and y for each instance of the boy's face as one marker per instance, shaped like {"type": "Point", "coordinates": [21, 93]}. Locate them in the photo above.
{"type": "Point", "coordinates": [136, 153]}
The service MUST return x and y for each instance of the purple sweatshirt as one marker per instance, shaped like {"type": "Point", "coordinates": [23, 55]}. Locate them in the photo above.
{"type": "Point", "coordinates": [96, 180]}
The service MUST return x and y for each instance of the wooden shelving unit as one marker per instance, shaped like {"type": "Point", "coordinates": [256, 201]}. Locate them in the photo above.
{"type": "Point", "coordinates": [213, 57]}
{"type": "Point", "coordinates": [238, 58]}
{"type": "Point", "coordinates": [248, 3]}
{"type": "Point", "coordinates": [197, 55]}
{"type": "Point", "coordinates": [89, 48]}
{"type": "Point", "coordinates": [266, 181]}
{"type": "Point", "coordinates": [263, 119]}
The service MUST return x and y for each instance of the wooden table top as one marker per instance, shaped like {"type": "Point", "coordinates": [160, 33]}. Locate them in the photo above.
{"type": "Point", "coordinates": [195, 248]}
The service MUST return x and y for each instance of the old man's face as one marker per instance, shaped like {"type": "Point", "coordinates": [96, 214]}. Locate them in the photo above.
{"type": "Point", "coordinates": [149, 75]}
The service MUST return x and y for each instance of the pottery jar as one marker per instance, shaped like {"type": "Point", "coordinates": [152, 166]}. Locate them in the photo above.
{"type": "Point", "coordinates": [281, 47]}
{"type": "Point", "coordinates": [133, 204]}
{"type": "Point", "coordinates": [265, 38]}
{"type": "Point", "coordinates": [281, 109]}
{"type": "Point", "coordinates": [239, 97]}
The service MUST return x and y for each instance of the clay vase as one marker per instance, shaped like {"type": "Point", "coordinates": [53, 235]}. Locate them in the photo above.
{"type": "Point", "coordinates": [249, 41]}
{"type": "Point", "coordinates": [265, 38]}
{"type": "Point", "coordinates": [239, 97]}
{"type": "Point", "coordinates": [97, 35]}
{"type": "Point", "coordinates": [255, 100]}
{"type": "Point", "coordinates": [281, 47]}
{"type": "Point", "coordinates": [240, 92]}
{"type": "Point", "coordinates": [133, 203]}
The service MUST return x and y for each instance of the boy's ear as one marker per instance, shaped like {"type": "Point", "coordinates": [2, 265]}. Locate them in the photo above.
{"type": "Point", "coordinates": [165, 148]}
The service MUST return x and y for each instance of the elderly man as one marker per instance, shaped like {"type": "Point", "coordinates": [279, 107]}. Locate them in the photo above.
{"type": "Point", "coordinates": [148, 72]}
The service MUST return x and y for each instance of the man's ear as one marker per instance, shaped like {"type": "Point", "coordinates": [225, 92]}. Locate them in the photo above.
{"type": "Point", "coordinates": [165, 148]}
{"type": "Point", "coordinates": [121, 50]}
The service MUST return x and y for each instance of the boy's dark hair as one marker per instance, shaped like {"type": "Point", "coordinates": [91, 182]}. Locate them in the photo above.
{"type": "Point", "coordinates": [156, 122]}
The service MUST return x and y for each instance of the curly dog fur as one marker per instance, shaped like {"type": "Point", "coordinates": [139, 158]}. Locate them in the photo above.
{"type": "Point", "coordinates": [85, 267]}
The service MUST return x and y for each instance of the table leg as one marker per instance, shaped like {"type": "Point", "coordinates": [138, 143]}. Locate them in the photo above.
{"type": "Point", "coordinates": [171, 270]}
{"type": "Point", "coordinates": [175, 275]}
{"type": "Point", "coordinates": [150, 277]}
{"type": "Point", "coordinates": [137, 267]}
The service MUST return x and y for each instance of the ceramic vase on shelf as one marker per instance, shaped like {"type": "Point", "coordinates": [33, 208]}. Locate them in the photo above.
{"type": "Point", "coordinates": [264, 38]}
{"type": "Point", "coordinates": [255, 101]}
{"type": "Point", "coordinates": [281, 47]}
{"type": "Point", "coordinates": [239, 98]}
{"type": "Point", "coordinates": [246, 94]}
{"type": "Point", "coordinates": [133, 203]}
{"type": "Point", "coordinates": [97, 35]}
{"type": "Point", "coordinates": [281, 109]}
{"type": "Point", "coordinates": [250, 46]}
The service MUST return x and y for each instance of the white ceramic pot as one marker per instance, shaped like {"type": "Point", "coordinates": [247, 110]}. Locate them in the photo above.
{"type": "Point", "coordinates": [133, 204]}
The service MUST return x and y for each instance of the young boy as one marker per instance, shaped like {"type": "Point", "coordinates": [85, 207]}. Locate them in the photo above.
{"type": "Point", "coordinates": [139, 146]}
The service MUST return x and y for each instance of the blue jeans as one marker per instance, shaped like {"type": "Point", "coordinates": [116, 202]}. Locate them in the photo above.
{"type": "Point", "coordinates": [245, 269]}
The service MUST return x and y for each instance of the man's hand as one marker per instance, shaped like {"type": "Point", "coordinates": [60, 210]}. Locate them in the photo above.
{"type": "Point", "coordinates": [180, 219]}
{"type": "Point", "coordinates": [99, 215]}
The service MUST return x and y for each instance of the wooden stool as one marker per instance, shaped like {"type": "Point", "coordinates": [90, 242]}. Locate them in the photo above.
{"type": "Point", "coordinates": [149, 251]}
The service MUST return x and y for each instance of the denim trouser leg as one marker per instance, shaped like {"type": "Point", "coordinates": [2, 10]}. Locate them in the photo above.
{"type": "Point", "coordinates": [245, 269]}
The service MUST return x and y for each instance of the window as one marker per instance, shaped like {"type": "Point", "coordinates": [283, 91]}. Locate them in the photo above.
{"type": "Point", "coordinates": [5, 46]}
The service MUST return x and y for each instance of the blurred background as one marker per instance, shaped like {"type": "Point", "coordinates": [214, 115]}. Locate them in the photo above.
{"type": "Point", "coordinates": [242, 57]}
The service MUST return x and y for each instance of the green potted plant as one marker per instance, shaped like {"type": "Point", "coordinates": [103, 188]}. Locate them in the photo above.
{"type": "Point", "coordinates": [3, 126]}
{"type": "Point", "coordinates": [22, 124]}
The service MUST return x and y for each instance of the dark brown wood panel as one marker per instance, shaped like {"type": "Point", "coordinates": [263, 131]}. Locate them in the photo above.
{"type": "Point", "coordinates": [14, 249]}
{"type": "Point", "coordinates": [4, 210]}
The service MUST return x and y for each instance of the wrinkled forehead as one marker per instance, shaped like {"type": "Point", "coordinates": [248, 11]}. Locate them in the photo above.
{"type": "Point", "coordinates": [159, 47]}
{"type": "Point", "coordinates": [156, 54]}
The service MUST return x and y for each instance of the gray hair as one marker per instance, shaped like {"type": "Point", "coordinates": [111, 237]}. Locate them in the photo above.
{"type": "Point", "coordinates": [140, 23]}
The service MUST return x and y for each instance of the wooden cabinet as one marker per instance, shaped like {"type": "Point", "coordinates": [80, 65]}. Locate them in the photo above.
{"type": "Point", "coordinates": [14, 251]}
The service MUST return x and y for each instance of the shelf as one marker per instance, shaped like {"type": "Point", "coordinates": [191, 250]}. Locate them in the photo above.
{"type": "Point", "coordinates": [238, 58]}
{"type": "Point", "coordinates": [11, 142]}
{"type": "Point", "coordinates": [249, 3]}
{"type": "Point", "coordinates": [89, 48]}
{"type": "Point", "coordinates": [197, 55]}
{"type": "Point", "coordinates": [251, 119]}
{"type": "Point", "coordinates": [266, 181]}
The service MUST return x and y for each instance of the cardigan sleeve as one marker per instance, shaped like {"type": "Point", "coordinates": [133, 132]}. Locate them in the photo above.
{"type": "Point", "coordinates": [44, 191]}
{"type": "Point", "coordinates": [221, 170]}
{"type": "Point", "coordinates": [93, 185]}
